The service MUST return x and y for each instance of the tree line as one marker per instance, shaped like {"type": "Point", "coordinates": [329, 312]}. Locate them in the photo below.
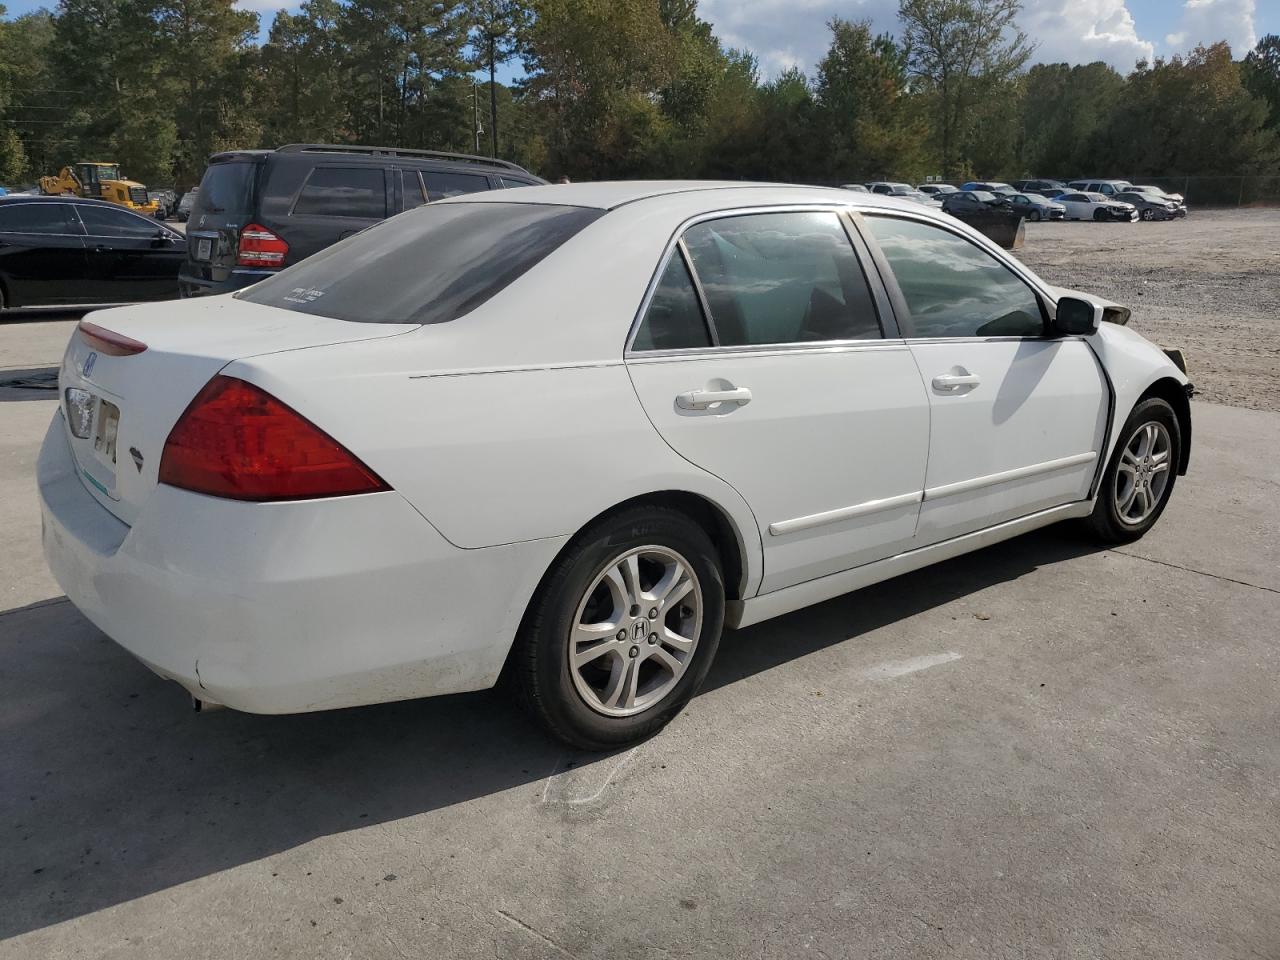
{"type": "Point", "coordinates": [614, 89]}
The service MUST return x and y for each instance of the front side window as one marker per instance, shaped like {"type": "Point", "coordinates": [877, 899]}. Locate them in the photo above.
{"type": "Point", "coordinates": [442, 184]}
{"type": "Point", "coordinates": [111, 222]}
{"type": "Point", "coordinates": [34, 218]}
{"type": "Point", "coordinates": [674, 320]}
{"type": "Point", "coordinates": [953, 287]}
{"type": "Point", "coordinates": [357, 192]}
{"type": "Point", "coordinates": [782, 278]}
{"type": "Point", "coordinates": [429, 265]}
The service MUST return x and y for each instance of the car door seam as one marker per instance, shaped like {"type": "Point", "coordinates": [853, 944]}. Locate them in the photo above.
{"type": "Point", "coordinates": [750, 509]}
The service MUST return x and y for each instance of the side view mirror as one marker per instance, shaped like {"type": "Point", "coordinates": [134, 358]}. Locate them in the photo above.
{"type": "Point", "coordinates": [1076, 317]}
{"type": "Point", "coordinates": [162, 238]}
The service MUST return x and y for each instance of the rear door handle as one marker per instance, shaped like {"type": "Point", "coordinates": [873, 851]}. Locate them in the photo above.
{"type": "Point", "coordinates": [954, 381]}
{"type": "Point", "coordinates": [702, 399]}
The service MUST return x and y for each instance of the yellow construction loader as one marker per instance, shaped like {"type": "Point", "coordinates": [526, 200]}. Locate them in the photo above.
{"type": "Point", "coordinates": [100, 181]}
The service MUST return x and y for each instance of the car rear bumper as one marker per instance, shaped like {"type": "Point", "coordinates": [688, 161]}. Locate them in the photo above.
{"type": "Point", "coordinates": [286, 607]}
{"type": "Point", "coordinates": [190, 284]}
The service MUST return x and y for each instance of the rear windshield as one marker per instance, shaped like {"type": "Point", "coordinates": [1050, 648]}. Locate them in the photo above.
{"type": "Point", "coordinates": [428, 265]}
{"type": "Point", "coordinates": [226, 192]}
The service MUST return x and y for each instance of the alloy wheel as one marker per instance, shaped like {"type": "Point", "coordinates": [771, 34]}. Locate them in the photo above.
{"type": "Point", "coordinates": [1142, 477]}
{"type": "Point", "coordinates": [635, 631]}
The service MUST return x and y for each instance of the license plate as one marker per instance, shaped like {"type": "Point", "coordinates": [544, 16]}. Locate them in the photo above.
{"type": "Point", "coordinates": [204, 249]}
{"type": "Point", "coordinates": [104, 438]}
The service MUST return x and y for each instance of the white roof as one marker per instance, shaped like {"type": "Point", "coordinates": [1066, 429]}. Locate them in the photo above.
{"type": "Point", "coordinates": [687, 196]}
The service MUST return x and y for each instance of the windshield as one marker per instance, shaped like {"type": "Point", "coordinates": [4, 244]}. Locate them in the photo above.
{"type": "Point", "coordinates": [983, 196]}
{"type": "Point", "coordinates": [429, 265]}
{"type": "Point", "coordinates": [226, 192]}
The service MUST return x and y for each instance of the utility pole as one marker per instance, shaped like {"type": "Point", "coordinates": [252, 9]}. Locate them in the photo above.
{"type": "Point", "coordinates": [493, 98]}
{"type": "Point", "coordinates": [475, 112]}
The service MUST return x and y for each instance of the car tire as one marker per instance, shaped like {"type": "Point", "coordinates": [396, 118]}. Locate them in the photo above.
{"type": "Point", "coordinates": [1099, 215]}
{"type": "Point", "coordinates": [1035, 216]}
{"type": "Point", "coordinates": [1146, 456]}
{"type": "Point", "coordinates": [587, 600]}
{"type": "Point", "coordinates": [1148, 215]}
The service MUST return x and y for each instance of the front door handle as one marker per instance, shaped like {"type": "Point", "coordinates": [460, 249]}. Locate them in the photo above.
{"type": "Point", "coordinates": [954, 381]}
{"type": "Point", "coordinates": [702, 399]}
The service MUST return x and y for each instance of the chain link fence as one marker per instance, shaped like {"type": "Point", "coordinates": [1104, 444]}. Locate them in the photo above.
{"type": "Point", "coordinates": [1244, 191]}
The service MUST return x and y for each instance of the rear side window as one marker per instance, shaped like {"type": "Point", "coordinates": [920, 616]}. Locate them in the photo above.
{"type": "Point", "coordinates": [429, 265]}
{"type": "Point", "coordinates": [953, 287]}
{"type": "Point", "coordinates": [782, 278]}
{"type": "Point", "coordinates": [225, 193]}
{"type": "Point", "coordinates": [674, 320]}
{"type": "Point", "coordinates": [357, 192]}
{"type": "Point", "coordinates": [508, 183]}
{"type": "Point", "coordinates": [443, 184]}
{"type": "Point", "coordinates": [35, 218]}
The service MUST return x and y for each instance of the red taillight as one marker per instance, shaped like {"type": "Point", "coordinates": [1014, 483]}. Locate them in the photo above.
{"type": "Point", "coordinates": [235, 440]}
{"type": "Point", "coordinates": [259, 247]}
{"type": "Point", "coordinates": [108, 341]}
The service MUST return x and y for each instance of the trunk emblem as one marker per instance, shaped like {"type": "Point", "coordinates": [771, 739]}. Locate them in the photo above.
{"type": "Point", "coordinates": [89, 361]}
{"type": "Point", "coordinates": [137, 457]}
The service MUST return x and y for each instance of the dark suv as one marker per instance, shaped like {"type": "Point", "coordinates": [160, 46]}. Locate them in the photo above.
{"type": "Point", "coordinates": [258, 211]}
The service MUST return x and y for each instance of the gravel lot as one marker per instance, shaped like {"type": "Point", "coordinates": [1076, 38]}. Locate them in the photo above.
{"type": "Point", "coordinates": [1209, 284]}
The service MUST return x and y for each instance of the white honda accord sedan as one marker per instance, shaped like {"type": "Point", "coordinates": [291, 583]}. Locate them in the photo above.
{"type": "Point", "coordinates": [565, 435]}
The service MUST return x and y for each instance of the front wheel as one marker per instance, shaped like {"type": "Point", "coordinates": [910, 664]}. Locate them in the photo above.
{"type": "Point", "coordinates": [622, 630]}
{"type": "Point", "coordinates": [1035, 216]}
{"type": "Point", "coordinates": [1140, 477]}
{"type": "Point", "coordinates": [1099, 215]}
{"type": "Point", "coordinates": [1148, 215]}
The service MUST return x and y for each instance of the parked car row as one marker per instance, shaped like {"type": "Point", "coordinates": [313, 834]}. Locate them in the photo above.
{"type": "Point", "coordinates": [254, 213]}
{"type": "Point", "coordinates": [1097, 199]}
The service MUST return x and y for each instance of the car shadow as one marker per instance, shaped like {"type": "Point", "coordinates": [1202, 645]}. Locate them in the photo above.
{"type": "Point", "coordinates": [112, 790]}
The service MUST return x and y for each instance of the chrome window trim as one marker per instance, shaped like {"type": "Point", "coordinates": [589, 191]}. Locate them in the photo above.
{"type": "Point", "coordinates": [765, 350]}
{"type": "Point", "coordinates": [676, 241]}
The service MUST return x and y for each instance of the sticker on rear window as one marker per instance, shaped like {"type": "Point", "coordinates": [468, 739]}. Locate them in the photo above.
{"type": "Point", "coordinates": [304, 295]}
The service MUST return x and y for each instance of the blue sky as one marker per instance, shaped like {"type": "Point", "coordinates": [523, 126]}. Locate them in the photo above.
{"type": "Point", "coordinates": [786, 33]}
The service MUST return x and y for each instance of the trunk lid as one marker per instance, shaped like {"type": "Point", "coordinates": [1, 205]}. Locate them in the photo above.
{"type": "Point", "coordinates": [133, 401]}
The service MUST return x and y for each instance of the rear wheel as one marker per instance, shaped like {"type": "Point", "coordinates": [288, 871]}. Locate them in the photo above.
{"type": "Point", "coordinates": [1140, 477]}
{"type": "Point", "coordinates": [623, 629]}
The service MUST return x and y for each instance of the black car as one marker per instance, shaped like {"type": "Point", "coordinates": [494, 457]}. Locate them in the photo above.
{"type": "Point", "coordinates": [64, 250]}
{"type": "Point", "coordinates": [1042, 187]}
{"type": "Point", "coordinates": [973, 201]}
{"type": "Point", "coordinates": [1034, 206]}
{"type": "Point", "coordinates": [258, 211]}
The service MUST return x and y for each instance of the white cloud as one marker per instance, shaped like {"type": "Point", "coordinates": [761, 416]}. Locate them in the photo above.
{"type": "Point", "coordinates": [1208, 21]}
{"type": "Point", "coordinates": [790, 33]}
{"type": "Point", "coordinates": [1082, 31]}
{"type": "Point", "coordinates": [785, 33]}
{"type": "Point", "coordinates": [267, 8]}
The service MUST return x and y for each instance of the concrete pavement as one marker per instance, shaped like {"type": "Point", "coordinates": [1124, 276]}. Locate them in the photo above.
{"type": "Point", "coordinates": [1041, 750]}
